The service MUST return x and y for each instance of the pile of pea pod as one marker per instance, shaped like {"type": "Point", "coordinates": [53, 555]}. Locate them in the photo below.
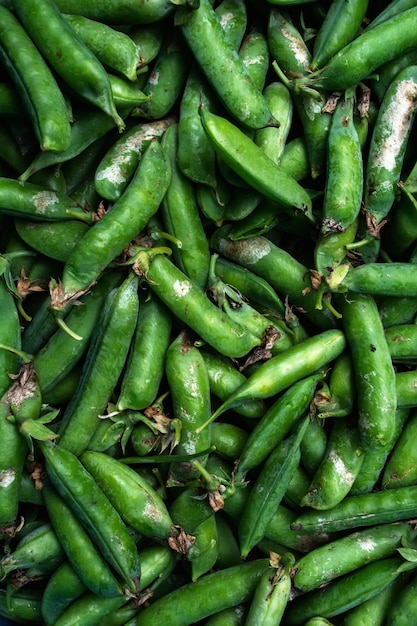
{"type": "Point", "coordinates": [208, 297]}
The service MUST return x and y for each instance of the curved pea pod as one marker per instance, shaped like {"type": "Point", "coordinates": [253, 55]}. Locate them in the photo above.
{"type": "Point", "coordinates": [148, 40]}
{"type": "Point", "coordinates": [95, 512]}
{"type": "Point", "coordinates": [210, 594]}
{"type": "Point", "coordinates": [210, 46]}
{"type": "Point", "coordinates": [166, 80]}
{"type": "Point", "coordinates": [62, 588]}
{"type": "Point", "coordinates": [272, 139]}
{"type": "Point", "coordinates": [192, 306]}
{"type": "Point", "coordinates": [378, 507]}
{"type": "Point", "coordinates": [123, 12]}
{"type": "Point", "coordinates": [23, 605]}
{"type": "Point", "coordinates": [38, 546]}
{"type": "Point", "coordinates": [286, 43]}
{"type": "Point", "coordinates": [89, 565]}
{"type": "Point", "coordinates": [272, 594]}
{"type": "Point", "coordinates": [341, 24]}
{"type": "Point", "coordinates": [402, 606]}
{"type": "Point", "coordinates": [138, 504]}
{"type": "Point", "coordinates": [373, 369]}
{"type": "Point", "coordinates": [338, 468]}
{"type": "Point", "coordinates": [389, 139]}
{"type": "Point", "coordinates": [344, 182]}
{"type": "Point", "coordinates": [276, 423]}
{"type": "Point", "coordinates": [283, 370]}
{"type": "Point", "coordinates": [374, 460]}
{"type": "Point", "coordinates": [51, 126]}
{"type": "Point", "coordinates": [254, 52]}
{"type": "Point", "coordinates": [377, 279]}
{"type": "Point", "coordinates": [253, 165]}
{"type": "Point", "coordinates": [348, 591]}
{"type": "Point", "coordinates": [89, 609]}
{"type": "Point", "coordinates": [35, 202]}
{"type": "Point", "coordinates": [62, 352]}
{"type": "Point", "coordinates": [401, 340]}
{"type": "Point", "coordinates": [269, 488]}
{"type": "Point", "coordinates": [115, 49]}
{"type": "Point", "coordinates": [195, 154]}
{"type": "Point", "coordinates": [181, 217]}
{"type": "Point", "coordinates": [102, 367]}
{"type": "Point", "coordinates": [116, 168]}
{"type": "Point", "coordinates": [233, 18]}
{"type": "Point", "coordinates": [116, 229]}
{"type": "Point", "coordinates": [54, 239]}
{"type": "Point", "coordinates": [224, 378]}
{"type": "Point", "coordinates": [349, 553]}
{"type": "Point", "coordinates": [284, 273]}
{"type": "Point", "coordinates": [83, 72]}
{"type": "Point", "coordinates": [204, 551]}
{"type": "Point", "coordinates": [145, 365]}
{"type": "Point", "coordinates": [189, 387]}
{"type": "Point", "coordinates": [399, 469]}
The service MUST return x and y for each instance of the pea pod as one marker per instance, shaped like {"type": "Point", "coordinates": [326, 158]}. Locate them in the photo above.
{"type": "Point", "coordinates": [210, 46]}
{"type": "Point", "coordinates": [283, 370]}
{"type": "Point", "coordinates": [399, 469]}
{"type": "Point", "coordinates": [62, 588]}
{"type": "Point", "coordinates": [228, 587]}
{"type": "Point", "coordinates": [120, 225]}
{"type": "Point", "coordinates": [138, 505]}
{"type": "Point", "coordinates": [54, 239]}
{"type": "Point", "coordinates": [35, 548]}
{"type": "Point", "coordinates": [98, 516]}
{"type": "Point", "coordinates": [341, 25]}
{"type": "Point", "coordinates": [253, 165]}
{"type": "Point", "coordinates": [51, 125]}
{"type": "Point", "coordinates": [123, 12]}
{"type": "Point", "coordinates": [46, 25]}
{"type": "Point", "coordinates": [272, 139]}
{"type": "Point", "coordinates": [254, 52]}
{"type": "Point", "coordinates": [113, 48]}
{"type": "Point", "coordinates": [269, 489]}
{"type": "Point", "coordinates": [347, 592]}
{"type": "Point", "coordinates": [402, 606]}
{"type": "Point", "coordinates": [81, 552]}
{"type": "Point", "coordinates": [23, 605]}
{"type": "Point", "coordinates": [102, 366]}
{"type": "Point", "coordinates": [272, 594]}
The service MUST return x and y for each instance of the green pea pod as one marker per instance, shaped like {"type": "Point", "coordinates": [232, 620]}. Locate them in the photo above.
{"type": "Point", "coordinates": [102, 366]}
{"type": "Point", "coordinates": [341, 24]}
{"type": "Point", "coordinates": [338, 468]}
{"type": "Point", "coordinates": [166, 80]}
{"type": "Point", "coordinates": [115, 49]}
{"type": "Point", "coordinates": [348, 592]}
{"type": "Point", "coordinates": [189, 387]}
{"type": "Point", "coordinates": [269, 489]}
{"type": "Point", "coordinates": [294, 158]}
{"type": "Point", "coordinates": [138, 504]}
{"type": "Point", "coordinates": [10, 335]}
{"type": "Point", "coordinates": [373, 369]}
{"type": "Point", "coordinates": [399, 469]}
{"type": "Point", "coordinates": [54, 239]}
{"type": "Point", "coordinates": [405, 388]}
{"type": "Point", "coordinates": [123, 12]}
{"type": "Point", "coordinates": [286, 43]}
{"type": "Point", "coordinates": [118, 165]}
{"type": "Point", "coordinates": [387, 146]}
{"type": "Point", "coordinates": [272, 595]}
{"type": "Point", "coordinates": [35, 202]}
{"type": "Point", "coordinates": [11, 153]}
{"type": "Point", "coordinates": [89, 565]}
{"type": "Point", "coordinates": [374, 461]}
{"type": "Point", "coordinates": [62, 352]}
{"type": "Point", "coordinates": [272, 139]}
{"type": "Point", "coordinates": [233, 616]}
{"type": "Point", "coordinates": [276, 423]}
{"type": "Point", "coordinates": [195, 154]}
{"type": "Point", "coordinates": [224, 378]}
{"type": "Point", "coordinates": [348, 553]}
{"type": "Point", "coordinates": [339, 397]}
{"type": "Point", "coordinates": [62, 588]}
{"type": "Point", "coordinates": [283, 370]}
{"type": "Point", "coordinates": [210, 594]}
{"type": "Point", "coordinates": [253, 165]}
{"type": "Point", "coordinates": [23, 605]}
{"type": "Point", "coordinates": [145, 365]}
{"type": "Point", "coordinates": [181, 217]}
{"type": "Point", "coordinates": [359, 58]}
{"type": "Point", "coordinates": [210, 46]}
{"type": "Point", "coordinates": [393, 8]}
{"type": "Point", "coordinates": [379, 507]}
{"type": "Point", "coordinates": [191, 305]}
{"type": "Point", "coordinates": [402, 343]}
{"type": "Point", "coordinates": [233, 18]}
{"type": "Point", "coordinates": [22, 61]}
{"type": "Point", "coordinates": [344, 183]}
{"type": "Point", "coordinates": [402, 607]}
{"type": "Point", "coordinates": [148, 40]}
{"type": "Point", "coordinates": [37, 546]}
{"type": "Point", "coordinates": [10, 103]}
{"type": "Point", "coordinates": [95, 512]}
{"type": "Point", "coordinates": [115, 230]}
{"type": "Point", "coordinates": [80, 68]}
{"type": "Point", "coordinates": [204, 552]}
{"type": "Point", "coordinates": [374, 611]}
{"type": "Point", "coordinates": [89, 609]}
{"type": "Point", "coordinates": [254, 52]}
